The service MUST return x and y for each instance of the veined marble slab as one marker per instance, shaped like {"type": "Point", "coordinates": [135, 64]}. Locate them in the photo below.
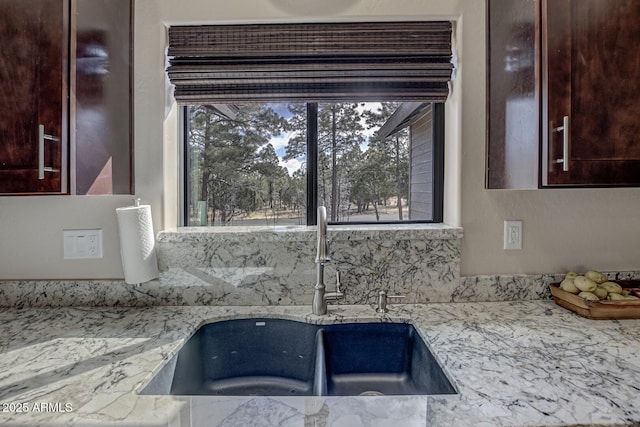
{"type": "Point", "coordinates": [405, 411]}
{"type": "Point", "coordinates": [295, 233]}
{"type": "Point", "coordinates": [517, 287]}
{"type": "Point", "coordinates": [276, 265]}
{"type": "Point", "coordinates": [242, 286]}
{"type": "Point", "coordinates": [513, 363]}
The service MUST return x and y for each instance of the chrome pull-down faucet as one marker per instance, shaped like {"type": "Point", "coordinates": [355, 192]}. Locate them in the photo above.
{"type": "Point", "coordinates": [322, 254]}
{"type": "Point", "coordinates": [320, 297]}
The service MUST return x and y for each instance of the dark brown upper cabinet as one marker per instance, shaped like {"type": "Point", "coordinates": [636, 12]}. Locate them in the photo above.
{"type": "Point", "coordinates": [66, 107]}
{"type": "Point", "coordinates": [582, 121]}
{"type": "Point", "coordinates": [591, 92]}
{"type": "Point", "coordinates": [34, 41]}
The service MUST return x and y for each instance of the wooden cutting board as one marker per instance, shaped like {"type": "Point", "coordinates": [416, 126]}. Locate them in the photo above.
{"type": "Point", "coordinates": [602, 310]}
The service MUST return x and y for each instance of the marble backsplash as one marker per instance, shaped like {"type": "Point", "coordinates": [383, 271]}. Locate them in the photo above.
{"type": "Point", "coordinates": [167, 292]}
{"type": "Point", "coordinates": [276, 266]}
{"type": "Point", "coordinates": [263, 266]}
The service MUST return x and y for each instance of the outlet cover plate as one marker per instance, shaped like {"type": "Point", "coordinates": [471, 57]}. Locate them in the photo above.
{"type": "Point", "coordinates": [82, 244]}
{"type": "Point", "coordinates": [513, 235]}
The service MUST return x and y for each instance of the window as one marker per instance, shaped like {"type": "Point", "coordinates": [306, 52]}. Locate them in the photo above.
{"type": "Point", "coordinates": [282, 117]}
{"type": "Point", "coordinates": [274, 163]}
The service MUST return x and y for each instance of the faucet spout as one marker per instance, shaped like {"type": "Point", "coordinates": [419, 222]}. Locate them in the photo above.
{"type": "Point", "coordinates": [320, 297]}
{"type": "Point", "coordinates": [322, 254]}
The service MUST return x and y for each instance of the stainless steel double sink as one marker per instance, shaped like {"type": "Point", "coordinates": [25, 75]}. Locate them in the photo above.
{"type": "Point", "coordinates": [277, 357]}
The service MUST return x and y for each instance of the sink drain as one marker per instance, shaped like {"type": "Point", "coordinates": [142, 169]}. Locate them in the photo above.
{"type": "Point", "coordinates": [371, 393]}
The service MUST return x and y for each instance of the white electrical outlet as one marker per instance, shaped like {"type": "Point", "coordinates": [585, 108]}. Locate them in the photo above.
{"type": "Point", "coordinates": [513, 235]}
{"type": "Point", "coordinates": [82, 244]}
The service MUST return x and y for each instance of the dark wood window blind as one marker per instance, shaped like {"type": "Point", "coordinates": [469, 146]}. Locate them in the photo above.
{"type": "Point", "coordinates": [329, 62]}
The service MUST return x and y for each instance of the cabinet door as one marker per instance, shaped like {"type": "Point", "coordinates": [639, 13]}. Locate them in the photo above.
{"type": "Point", "coordinates": [512, 101]}
{"type": "Point", "coordinates": [102, 127]}
{"type": "Point", "coordinates": [34, 50]}
{"type": "Point", "coordinates": [591, 92]}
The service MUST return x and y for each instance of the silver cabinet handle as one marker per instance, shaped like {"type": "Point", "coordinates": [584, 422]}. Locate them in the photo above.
{"type": "Point", "coordinates": [565, 142]}
{"type": "Point", "coordinates": [41, 139]}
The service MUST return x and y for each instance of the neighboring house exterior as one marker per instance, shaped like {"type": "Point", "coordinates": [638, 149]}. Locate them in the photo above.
{"type": "Point", "coordinates": [418, 117]}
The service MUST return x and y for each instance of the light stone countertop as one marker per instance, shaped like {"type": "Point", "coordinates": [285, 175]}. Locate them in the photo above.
{"type": "Point", "coordinates": [527, 363]}
{"type": "Point", "coordinates": [284, 233]}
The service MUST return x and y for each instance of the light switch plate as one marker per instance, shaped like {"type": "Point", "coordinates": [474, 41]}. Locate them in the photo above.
{"type": "Point", "coordinates": [513, 235]}
{"type": "Point", "coordinates": [82, 244]}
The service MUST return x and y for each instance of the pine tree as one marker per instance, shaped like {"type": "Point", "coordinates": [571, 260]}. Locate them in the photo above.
{"type": "Point", "coordinates": [339, 131]}
{"type": "Point", "coordinates": [392, 151]}
{"type": "Point", "coordinates": [229, 162]}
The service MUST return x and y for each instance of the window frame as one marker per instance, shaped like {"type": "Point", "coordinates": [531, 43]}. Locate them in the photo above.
{"type": "Point", "coordinates": [438, 149]}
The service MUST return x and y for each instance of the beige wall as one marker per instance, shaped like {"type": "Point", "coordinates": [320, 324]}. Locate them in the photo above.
{"type": "Point", "coordinates": [563, 229]}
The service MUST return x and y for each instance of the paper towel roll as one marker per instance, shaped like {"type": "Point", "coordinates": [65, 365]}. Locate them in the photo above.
{"type": "Point", "coordinates": [137, 244]}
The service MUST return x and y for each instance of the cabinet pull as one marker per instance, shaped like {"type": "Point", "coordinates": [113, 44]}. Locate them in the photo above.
{"type": "Point", "coordinates": [565, 142]}
{"type": "Point", "coordinates": [42, 137]}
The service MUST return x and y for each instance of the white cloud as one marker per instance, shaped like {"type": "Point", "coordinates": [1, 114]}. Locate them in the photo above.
{"type": "Point", "coordinates": [279, 144]}
{"type": "Point", "coordinates": [292, 165]}
{"type": "Point", "coordinates": [281, 140]}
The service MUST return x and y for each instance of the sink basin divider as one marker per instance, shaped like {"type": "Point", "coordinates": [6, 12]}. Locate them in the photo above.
{"type": "Point", "coordinates": [320, 373]}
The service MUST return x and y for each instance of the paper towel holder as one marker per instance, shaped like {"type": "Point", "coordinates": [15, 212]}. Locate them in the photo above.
{"type": "Point", "coordinates": [137, 243]}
